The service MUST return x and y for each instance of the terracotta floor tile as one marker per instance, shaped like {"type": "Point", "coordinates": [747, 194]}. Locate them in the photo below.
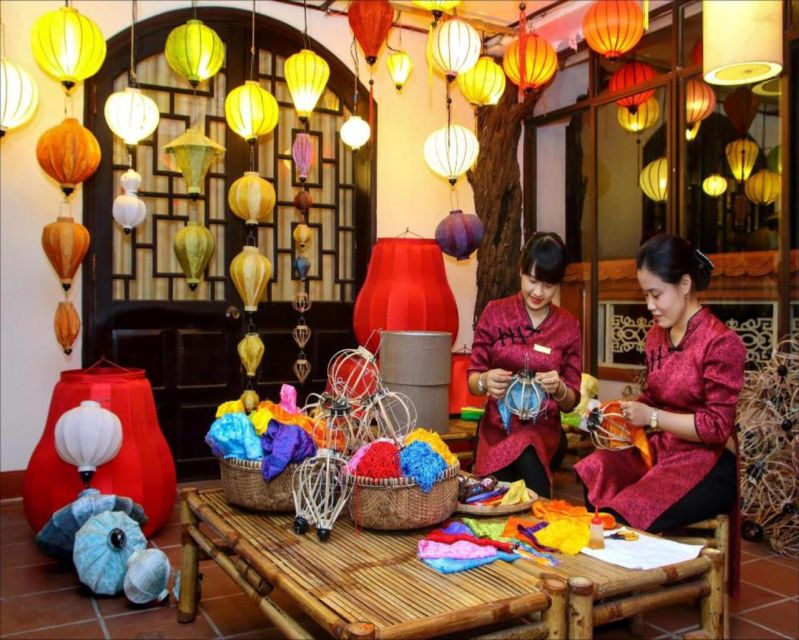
{"type": "Point", "coordinates": [11, 516]}
{"type": "Point", "coordinates": [760, 549]}
{"type": "Point", "coordinates": [772, 575]}
{"type": "Point", "coordinates": [782, 617]}
{"type": "Point", "coordinates": [157, 623]}
{"type": "Point", "coordinates": [18, 581]}
{"type": "Point", "coordinates": [217, 583]}
{"type": "Point", "coordinates": [741, 629]}
{"type": "Point", "coordinates": [234, 614]}
{"type": "Point", "coordinates": [45, 609]}
{"type": "Point", "coordinates": [81, 631]}
{"type": "Point", "coordinates": [23, 554]}
{"type": "Point", "coordinates": [674, 617]}
{"type": "Point", "coordinates": [751, 596]}
{"type": "Point", "coordinates": [16, 533]}
{"type": "Point", "coordinates": [118, 604]}
{"type": "Point", "coordinates": [168, 536]}
{"type": "Point", "coordinates": [267, 633]}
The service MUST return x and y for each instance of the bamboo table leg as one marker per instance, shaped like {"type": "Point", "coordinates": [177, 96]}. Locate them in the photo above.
{"type": "Point", "coordinates": [555, 615]}
{"type": "Point", "coordinates": [712, 605]}
{"type": "Point", "coordinates": [189, 564]}
{"type": "Point", "coordinates": [581, 608]}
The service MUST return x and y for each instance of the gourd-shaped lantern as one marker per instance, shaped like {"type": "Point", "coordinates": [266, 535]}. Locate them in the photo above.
{"type": "Point", "coordinates": [741, 107]}
{"type": "Point", "coordinates": [451, 151]}
{"type": "Point", "coordinates": [251, 351]}
{"type": "Point", "coordinates": [251, 111]}
{"type": "Point", "coordinates": [741, 156]}
{"type": "Point", "coordinates": [630, 75]}
{"type": "Point", "coordinates": [302, 152]}
{"type": "Point", "coordinates": [763, 187]}
{"type": "Point", "coordinates": [147, 576]}
{"type": "Point", "coordinates": [355, 132]}
{"type": "Point", "coordinates": [454, 47]}
{"type": "Point", "coordinates": [68, 46]}
{"type": "Point", "coordinates": [69, 153]}
{"type": "Point", "coordinates": [128, 209]}
{"type": "Point", "coordinates": [613, 28]}
{"type": "Point", "coordinates": [306, 77]}
{"type": "Point", "coordinates": [131, 115]}
{"type": "Point", "coordinates": [525, 397]}
{"type": "Point", "coordinates": [714, 185]}
{"type": "Point", "coordinates": [654, 180]}
{"type": "Point", "coordinates": [194, 246]}
{"type": "Point", "coordinates": [370, 21]}
{"type": "Point", "coordinates": [700, 101]}
{"type": "Point", "coordinates": [252, 198]}
{"type": "Point", "coordinates": [65, 242]}
{"type": "Point", "coordinates": [194, 153]}
{"type": "Point", "coordinates": [195, 51]}
{"type": "Point", "coordinates": [540, 62]}
{"type": "Point", "coordinates": [66, 325]}
{"type": "Point", "coordinates": [484, 83]}
{"type": "Point", "coordinates": [399, 65]}
{"type": "Point", "coordinates": [250, 271]}
{"type": "Point", "coordinates": [20, 96]}
{"type": "Point", "coordinates": [88, 436]}
{"type": "Point", "coordinates": [459, 234]}
{"type": "Point", "coordinates": [644, 116]}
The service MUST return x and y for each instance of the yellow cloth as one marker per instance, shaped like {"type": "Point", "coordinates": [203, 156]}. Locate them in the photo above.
{"type": "Point", "coordinates": [435, 442]}
{"type": "Point", "coordinates": [516, 494]}
{"type": "Point", "coordinates": [554, 510]}
{"type": "Point", "coordinates": [568, 535]}
{"type": "Point", "coordinates": [231, 406]}
{"type": "Point", "coordinates": [274, 410]}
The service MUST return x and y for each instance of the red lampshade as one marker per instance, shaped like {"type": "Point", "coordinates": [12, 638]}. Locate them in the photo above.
{"type": "Point", "coordinates": [700, 101]}
{"type": "Point", "coordinates": [406, 289]}
{"type": "Point", "coordinates": [613, 28]}
{"type": "Point", "coordinates": [631, 75]}
{"type": "Point", "coordinates": [459, 394]}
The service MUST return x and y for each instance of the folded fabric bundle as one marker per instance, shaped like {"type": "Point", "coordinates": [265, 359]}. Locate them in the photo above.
{"type": "Point", "coordinates": [553, 510]}
{"type": "Point", "coordinates": [568, 536]}
{"type": "Point", "coordinates": [451, 565]}
{"type": "Point", "coordinates": [283, 444]}
{"type": "Point", "coordinates": [232, 436]}
{"type": "Point", "coordinates": [461, 549]}
{"type": "Point", "coordinates": [448, 538]}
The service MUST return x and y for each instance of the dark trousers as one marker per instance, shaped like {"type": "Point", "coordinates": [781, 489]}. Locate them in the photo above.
{"type": "Point", "coordinates": [528, 467]}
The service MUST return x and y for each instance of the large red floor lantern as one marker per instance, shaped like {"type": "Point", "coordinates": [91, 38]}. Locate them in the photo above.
{"type": "Point", "coordinates": [142, 470]}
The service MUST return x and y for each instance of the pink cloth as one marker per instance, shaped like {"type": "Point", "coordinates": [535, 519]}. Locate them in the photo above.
{"type": "Point", "coordinates": [460, 550]}
{"type": "Point", "coordinates": [504, 338]}
{"type": "Point", "coordinates": [288, 398]}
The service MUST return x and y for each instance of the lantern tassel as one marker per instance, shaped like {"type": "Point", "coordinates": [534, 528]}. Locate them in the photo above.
{"type": "Point", "coordinates": [646, 15]}
{"type": "Point", "coordinates": [522, 50]}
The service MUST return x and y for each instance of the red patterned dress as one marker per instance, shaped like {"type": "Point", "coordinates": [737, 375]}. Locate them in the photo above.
{"type": "Point", "coordinates": [505, 338]}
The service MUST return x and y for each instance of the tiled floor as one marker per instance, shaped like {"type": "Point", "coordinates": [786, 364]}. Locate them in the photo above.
{"type": "Point", "coordinates": [41, 599]}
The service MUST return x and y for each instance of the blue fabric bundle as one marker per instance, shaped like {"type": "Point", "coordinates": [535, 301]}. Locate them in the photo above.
{"type": "Point", "coordinates": [419, 461]}
{"type": "Point", "coordinates": [283, 444]}
{"type": "Point", "coordinates": [453, 565]}
{"type": "Point", "coordinates": [233, 436]}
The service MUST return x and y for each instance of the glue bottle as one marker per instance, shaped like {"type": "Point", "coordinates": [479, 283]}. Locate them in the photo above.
{"type": "Point", "coordinates": [596, 536]}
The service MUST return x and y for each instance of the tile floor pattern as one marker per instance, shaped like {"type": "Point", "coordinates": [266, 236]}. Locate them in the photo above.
{"type": "Point", "coordinates": [41, 599]}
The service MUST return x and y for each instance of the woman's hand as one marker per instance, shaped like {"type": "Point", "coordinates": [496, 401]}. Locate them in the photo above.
{"type": "Point", "coordinates": [496, 382]}
{"type": "Point", "coordinates": [637, 413]}
{"type": "Point", "coordinates": [551, 382]}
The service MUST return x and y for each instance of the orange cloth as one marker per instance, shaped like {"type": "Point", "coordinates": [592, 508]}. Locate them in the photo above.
{"type": "Point", "coordinates": [512, 527]}
{"type": "Point", "coordinates": [618, 425]}
{"type": "Point", "coordinates": [284, 417]}
{"type": "Point", "coordinates": [554, 510]}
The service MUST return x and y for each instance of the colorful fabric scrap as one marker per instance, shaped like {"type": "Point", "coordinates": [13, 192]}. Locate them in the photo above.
{"type": "Point", "coordinates": [553, 510]}
{"type": "Point", "coordinates": [452, 565]}
{"type": "Point", "coordinates": [283, 444]}
{"type": "Point", "coordinates": [232, 436]}
{"type": "Point", "coordinates": [462, 549]}
{"type": "Point", "coordinates": [231, 406]}
{"type": "Point", "coordinates": [568, 536]}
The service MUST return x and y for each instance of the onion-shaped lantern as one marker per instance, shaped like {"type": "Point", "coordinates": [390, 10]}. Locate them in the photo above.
{"type": "Point", "coordinates": [66, 325]}
{"type": "Point", "coordinates": [700, 101]}
{"type": "Point", "coordinates": [303, 201]}
{"type": "Point", "coordinates": [459, 234]}
{"type": "Point", "coordinates": [194, 153]}
{"type": "Point", "coordinates": [741, 156]}
{"type": "Point", "coordinates": [147, 576]}
{"type": "Point", "coordinates": [654, 180]}
{"type": "Point", "coordinates": [252, 198]}
{"type": "Point", "coordinates": [714, 185]}
{"type": "Point", "coordinates": [484, 83]}
{"type": "Point", "coordinates": [194, 246]}
{"type": "Point", "coordinates": [250, 271]}
{"type": "Point", "coordinates": [540, 62]}
{"type": "Point", "coordinates": [525, 397]}
{"type": "Point", "coordinates": [65, 242]}
{"type": "Point", "coordinates": [69, 153]}
{"type": "Point", "coordinates": [320, 492]}
{"type": "Point", "coordinates": [88, 436]}
{"type": "Point", "coordinates": [131, 115]}
{"type": "Point", "coordinates": [128, 209]}
{"type": "Point", "coordinates": [20, 96]}
{"type": "Point", "coordinates": [451, 151]}
{"type": "Point", "coordinates": [251, 111]}
{"type": "Point", "coordinates": [644, 116]}
{"type": "Point", "coordinates": [302, 236]}
{"type": "Point", "coordinates": [302, 152]}
{"type": "Point", "coordinates": [68, 46]}
{"type": "Point", "coordinates": [306, 76]}
{"type": "Point", "coordinates": [393, 413]}
{"type": "Point", "coordinates": [251, 351]}
{"type": "Point", "coordinates": [454, 47]}
{"type": "Point", "coordinates": [194, 51]}
{"type": "Point", "coordinates": [399, 68]}
{"type": "Point", "coordinates": [355, 132]}
{"type": "Point", "coordinates": [370, 21]}
{"type": "Point", "coordinates": [613, 28]}
{"type": "Point", "coordinates": [630, 75]}
{"type": "Point", "coordinates": [763, 187]}
{"type": "Point", "coordinates": [250, 400]}
{"type": "Point", "coordinates": [437, 7]}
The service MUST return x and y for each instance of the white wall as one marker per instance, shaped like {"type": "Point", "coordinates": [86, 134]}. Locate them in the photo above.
{"type": "Point", "coordinates": [408, 196]}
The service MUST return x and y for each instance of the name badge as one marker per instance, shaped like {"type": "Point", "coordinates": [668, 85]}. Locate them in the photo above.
{"type": "Point", "coordinates": [542, 349]}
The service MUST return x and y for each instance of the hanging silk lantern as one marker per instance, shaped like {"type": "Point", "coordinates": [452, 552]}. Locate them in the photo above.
{"type": "Point", "coordinates": [654, 180]}
{"type": "Point", "coordinates": [20, 96]}
{"type": "Point", "coordinates": [194, 246]}
{"type": "Point", "coordinates": [251, 111]}
{"type": "Point", "coordinates": [484, 83]}
{"type": "Point", "coordinates": [697, 52]}
{"type": "Point", "coordinates": [714, 185]}
{"type": "Point", "coordinates": [306, 76]}
{"type": "Point", "coordinates": [644, 116]}
{"type": "Point", "coordinates": [302, 236]}
{"type": "Point", "coordinates": [300, 267]}
{"type": "Point", "coordinates": [65, 242]}
{"type": "Point", "coordinates": [303, 201]}
{"type": "Point", "coordinates": [540, 62]}
{"type": "Point", "coordinates": [768, 88]}
{"type": "Point", "coordinates": [252, 198]}
{"type": "Point", "coordinates": [613, 28]}
{"type": "Point", "coordinates": [741, 108]}
{"type": "Point", "coordinates": [437, 7]}
{"type": "Point", "coordinates": [692, 131]}
{"type": "Point", "coordinates": [763, 187]}
{"type": "Point", "coordinates": [194, 153]}
{"type": "Point", "coordinates": [370, 21]}
{"type": "Point", "coordinates": [630, 75]}
{"type": "Point", "coordinates": [88, 436]}
{"type": "Point", "coordinates": [700, 101]}
{"type": "Point", "coordinates": [66, 325]}
{"type": "Point", "coordinates": [459, 234]}
{"type": "Point", "coordinates": [774, 160]}
{"type": "Point", "coordinates": [128, 209]}
{"type": "Point", "coordinates": [741, 156]}
{"type": "Point", "coordinates": [251, 351]}
{"type": "Point", "coordinates": [355, 132]}
{"type": "Point", "coordinates": [454, 47]}
{"type": "Point", "coordinates": [399, 66]}
{"type": "Point", "coordinates": [250, 271]}
{"type": "Point", "coordinates": [451, 151]}
{"type": "Point", "coordinates": [194, 51]}
{"type": "Point", "coordinates": [131, 115]}
{"type": "Point", "coordinates": [69, 153]}
{"type": "Point", "coordinates": [302, 151]}
{"type": "Point", "coordinates": [68, 46]}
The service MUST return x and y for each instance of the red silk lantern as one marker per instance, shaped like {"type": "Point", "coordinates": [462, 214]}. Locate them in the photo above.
{"type": "Point", "coordinates": [631, 75]}
{"type": "Point", "coordinates": [700, 101]}
{"type": "Point", "coordinates": [143, 470]}
{"type": "Point", "coordinates": [370, 21]}
{"type": "Point", "coordinates": [697, 52]}
{"type": "Point", "coordinates": [406, 289]}
{"type": "Point", "coordinates": [741, 108]}
{"type": "Point", "coordinates": [613, 28]}
{"type": "Point", "coordinates": [459, 394]}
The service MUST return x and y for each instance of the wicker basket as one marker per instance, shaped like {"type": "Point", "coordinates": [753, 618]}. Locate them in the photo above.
{"type": "Point", "coordinates": [245, 486]}
{"type": "Point", "coordinates": [391, 504]}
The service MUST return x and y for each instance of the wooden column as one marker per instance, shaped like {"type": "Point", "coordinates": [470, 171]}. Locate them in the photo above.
{"type": "Point", "coordinates": [189, 563]}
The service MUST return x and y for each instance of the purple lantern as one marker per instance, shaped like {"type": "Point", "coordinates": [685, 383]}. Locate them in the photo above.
{"type": "Point", "coordinates": [302, 152]}
{"type": "Point", "coordinates": [459, 234]}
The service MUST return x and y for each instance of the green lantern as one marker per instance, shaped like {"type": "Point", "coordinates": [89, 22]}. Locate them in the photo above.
{"type": "Point", "coordinates": [194, 153]}
{"type": "Point", "coordinates": [194, 246]}
{"type": "Point", "coordinates": [194, 51]}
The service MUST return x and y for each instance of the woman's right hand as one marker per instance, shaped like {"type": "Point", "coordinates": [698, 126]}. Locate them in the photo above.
{"type": "Point", "coordinates": [496, 382]}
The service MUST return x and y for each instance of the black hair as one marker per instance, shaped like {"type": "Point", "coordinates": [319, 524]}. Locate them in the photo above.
{"type": "Point", "coordinates": [544, 257]}
{"type": "Point", "coordinates": [670, 257]}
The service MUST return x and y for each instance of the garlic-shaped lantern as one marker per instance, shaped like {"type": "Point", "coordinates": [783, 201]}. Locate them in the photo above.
{"type": "Point", "coordinates": [147, 576]}
{"type": "Point", "coordinates": [65, 242]}
{"type": "Point", "coordinates": [66, 325]}
{"type": "Point", "coordinates": [250, 271]}
{"type": "Point", "coordinates": [252, 198]}
{"type": "Point", "coordinates": [194, 246]}
{"type": "Point", "coordinates": [88, 436]}
{"type": "Point", "coordinates": [302, 236]}
{"type": "Point", "coordinates": [251, 351]}
{"type": "Point", "coordinates": [128, 209]}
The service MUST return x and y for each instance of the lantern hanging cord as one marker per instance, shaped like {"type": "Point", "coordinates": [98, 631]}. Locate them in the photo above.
{"type": "Point", "coordinates": [252, 44]}
{"type": "Point", "coordinates": [194, 9]}
{"type": "Point", "coordinates": [398, 25]}
{"type": "Point", "coordinates": [132, 73]}
{"type": "Point", "coordinates": [252, 240]}
{"type": "Point", "coordinates": [354, 53]}
{"type": "Point", "coordinates": [251, 326]}
{"type": "Point", "coordinates": [306, 41]}
{"type": "Point", "coordinates": [454, 201]}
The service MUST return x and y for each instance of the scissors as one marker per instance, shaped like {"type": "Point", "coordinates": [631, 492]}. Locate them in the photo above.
{"type": "Point", "coordinates": [623, 534]}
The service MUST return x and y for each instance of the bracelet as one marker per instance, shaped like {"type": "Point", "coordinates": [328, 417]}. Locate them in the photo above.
{"type": "Point", "coordinates": [565, 393]}
{"type": "Point", "coordinates": [480, 384]}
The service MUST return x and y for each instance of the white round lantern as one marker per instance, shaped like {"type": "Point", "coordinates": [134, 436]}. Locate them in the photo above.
{"type": "Point", "coordinates": [454, 47]}
{"type": "Point", "coordinates": [355, 132]}
{"type": "Point", "coordinates": [19, 96]}
{"type": "Point", "coordinates": [451, 151]}
{"type": "Point", "coordinates": [88, 436]}
{"type": "Point", "coordinates": [131, 115]}
{"type": "Point", "coordinates": [128, 209]}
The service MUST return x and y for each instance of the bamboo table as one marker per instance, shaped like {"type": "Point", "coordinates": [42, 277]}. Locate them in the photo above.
{"type": "Point", "coordinates": [358, 584]}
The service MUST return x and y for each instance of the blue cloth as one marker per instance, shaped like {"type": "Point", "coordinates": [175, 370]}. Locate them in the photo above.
{"type": "Point", "coordinates": [283, 444]}
{"type": "Point", "coordinates": [422, 463]}
{"type": "Point", "coordinates": [233, 436]}
{"type": "Point", "coordinates": [455, 527]}
{"type": "Point", "coordinates": [453, 565]}
{"type": "Point", "coordinates": [504, 413]}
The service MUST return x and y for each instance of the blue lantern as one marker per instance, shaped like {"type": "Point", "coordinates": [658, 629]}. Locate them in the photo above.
{"type": "Point", "coordinates": [147, 576]}
{"type": "Point", "coordinates": [459, 234]}
{"type": "Point", "coordinates": [525, 397]}
{"type": "Point", "coordinates": [301, 265]}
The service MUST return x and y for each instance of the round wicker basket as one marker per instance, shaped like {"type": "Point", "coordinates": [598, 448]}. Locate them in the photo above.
{"type": "Point", "coordinates": [392, 504]}
{"type": "Point", "coordinates": [244, 486]}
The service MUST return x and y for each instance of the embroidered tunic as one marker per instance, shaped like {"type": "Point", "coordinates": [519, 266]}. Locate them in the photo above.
{"type": "Point", "coordinates": [505, 338]}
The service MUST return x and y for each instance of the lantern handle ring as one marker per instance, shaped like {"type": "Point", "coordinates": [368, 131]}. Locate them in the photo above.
{"type": "Point", "coordinates": [408, 232]}
{"type": "Point", "coordinates": [105, 360]}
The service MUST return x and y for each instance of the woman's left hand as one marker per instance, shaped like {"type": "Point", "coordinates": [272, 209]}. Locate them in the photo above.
{"type": "Point", "coordinates": [550, 380]}
{"type": "Point", "coordinates": [637, 413]}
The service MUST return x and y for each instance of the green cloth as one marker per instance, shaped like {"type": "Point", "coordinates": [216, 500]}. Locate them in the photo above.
{"type": "Point", "coordinates": [485, 529]}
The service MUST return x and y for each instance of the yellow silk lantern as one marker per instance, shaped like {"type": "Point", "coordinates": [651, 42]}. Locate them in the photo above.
{"type": "Point", "coordinates": [763, 187]}
{"type": "Point", "coordinates": [302, 235]}
{"type": "Point", "coordinates": [69, 153]}
{"type": "Point", "coordinates": [66, 325]}
{"type": "Point", "coordinates": [451, 151]}
{"type": "Point", "coordinates": [131, 115]}
{"type": "Point", "coordinates": [399, 68]}
{"type": "Point", "coordinates": [645, 116]}
{"type": "Point", "coordinates": [250, 271]}
{"type": "Point", "coordinates": [195, 51]}
{"type": "Point", "coordinates": [194, 246]}
{"type": "Point", "coordinates": [714, 185]}
{"type": "Point", "coordinates": [68, 46]}
{"type": "Point", "coordinates": [194, 153]}
{"type": "Point", "coordinates": [251, 111]}
{"type": "Point", "coordinates": [741, 156]}
{"type": "Point", "coordinates": [306, 76]}
{"type": "Point", "coordinates": [654, 180]}
{"type": "Point", "coordinates": [252, 198]}
{"type": "Point", "coordinates": [20, 96]}
{"type": "Point", "coordinates": [355, 132]}
{"type": "Point", "coordinates": [65, 242]}
{"type": "Point", "coordinates": [484, 83]}
{"type": "Point", "coordinates": [437, 7]}
{"type": "Point", "coordinates": [251, 351]}
{"type": "Point", "coordinates": [692, 131]}
{"type": "Point", "coordinates": [250, 400]}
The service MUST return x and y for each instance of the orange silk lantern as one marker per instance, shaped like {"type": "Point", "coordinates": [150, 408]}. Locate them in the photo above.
{"type": "Point", "coordinates": [370, 21]}
{"type": "Point", "coordinates": [69, 153]}
{"type": "Point", "coordinates": [613, 28]}
{"type": "Point", "coordinates": [700, 101]}
{"type": "Point", "coordinates": [631, 75]}
{"type": "Point", "coordinates": [540, 62]}
{"type": "Point", "coordinates": [65, 242]}
{"type": "Point", "coordinates": [66, 325]}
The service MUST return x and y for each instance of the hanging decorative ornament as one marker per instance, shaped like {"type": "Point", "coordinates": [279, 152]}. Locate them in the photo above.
{"type": "Point", "coordinates": [306, 76]}
{"type": "Point", "coordinates": [194, 51]}
{"type": "Point", "coordinates": [131, 115]}
{"type": "Point", "coordinates": [763, 187]}
{"type": "Point", "coordinates": [437, 7]}
{"type": "Point", "coordinates": [65, 242]}
{"type": "Point", "coordinates": [700, 101]}
{"type": "Point", "coordinates": [252, 198]}
{"type": "Point", "coordinates": [741, 156]}
{"type": "Point", "coordinates": [250, 400]}
{"type": "Point", "coordinates": [66, 325]}
{"type": "Point", "coordinates": [303, 202]}
{"type": "Point", "coordinates": [399, 65]}
{"type": "Point", "coordinates": [692, 131]}
{"type": "Point", "coordinates": [451, 151]}
{"type": "Point", "coordinates": [300, 267]}
{"type": "Point", "coordinates": [714, 185]}
{"type": "Point", "coordinates": [613, 28]}
{"type": "Point", "coordinates": [459, 234]}
{"type": "Point", "coordinates": [302, 236]}
{"type": "Point", "coordinates": [454, 47]}
{"type": "Point", "coordinates": [741, 107]}
{"type": "Point", "coordinates": [370, 21]}
{"type": "Point", "coordinates": [194, 153]}
{"type": "Point", "coordinates": [540, 62]}
{"type": "Point", "coordinates": [128, 209]}
{"type": "Point", "coordinates": [250, 271]}
{"type": "Point", "coordinates": [194, 245]}
{"type": "Point", "coordinates": [654, 180]}
{"type": "Point", "coordinates": [301, 369]}
{"type": "Point", "coordinates": [630, 75]}
{"type": "Point", "coordinates": [69, 153]}
{"type": "Point", "coordinates": [484, 83]}
{"type": "Point", "coordinates": [302, 332]}
{"type": "Point", "coordinates": [302, 152]}
{"type": "Point", "coordinates": [251, 111]}
{"type": "Point", "coordinates": [644, 116]}
{"type": "Point", "coordinates": [355, 132]}
{"type": "Point", "coordinates": [251, 351]}
{"type": "Point", "coordinates": [20, 96]}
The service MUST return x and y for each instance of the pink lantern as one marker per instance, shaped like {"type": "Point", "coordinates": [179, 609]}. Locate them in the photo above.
{"type": "Point", "coordinates": [302, 151]}
{"type": "Point", "coordinates": [459, 234]}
